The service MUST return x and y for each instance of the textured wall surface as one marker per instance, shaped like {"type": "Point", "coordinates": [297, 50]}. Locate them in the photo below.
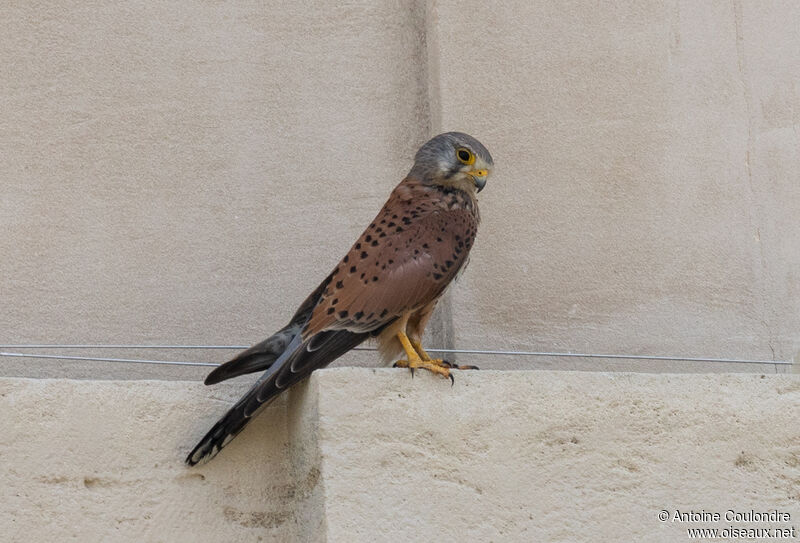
{"type": "Point", "coordinates": [371, 455]}
{"type": "Point", "coordinates": [646, 196]}
{"type": "Point", "coordinates": [178, 173]}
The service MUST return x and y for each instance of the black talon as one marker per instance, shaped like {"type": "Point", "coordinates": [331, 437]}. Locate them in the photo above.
{"type": "Point", "coordinates": [452, 379]}
{"type": "Point", "coordinates": [447, 364]}
{"type": "Point", "coordinates": [412, 371]}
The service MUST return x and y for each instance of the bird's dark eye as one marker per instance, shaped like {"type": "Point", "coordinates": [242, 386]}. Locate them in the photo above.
{"type": "Point", "coordinates": [465, 155]}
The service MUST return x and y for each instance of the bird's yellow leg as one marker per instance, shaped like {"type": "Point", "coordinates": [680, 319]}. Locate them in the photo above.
{"type": "Point", "coordinates": [416, 361]}
{"type": "Point", "coordinates": [422, 354]}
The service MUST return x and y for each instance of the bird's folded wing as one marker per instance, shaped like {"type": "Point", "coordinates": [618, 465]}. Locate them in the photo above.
{"type": "Point", "coordinates": [382, 278]}
{"type": "Point", "coordinates": [261, 356]}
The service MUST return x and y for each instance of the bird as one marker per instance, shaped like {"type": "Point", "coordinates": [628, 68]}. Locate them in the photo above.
{"type": "Point", "coordinates": [386, 286]}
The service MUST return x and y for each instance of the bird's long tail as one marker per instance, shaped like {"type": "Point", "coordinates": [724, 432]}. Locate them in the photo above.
{"type": "Point", "coordinates": [260, 394]}
{"type": "Point", "coordinates": [295, 364]}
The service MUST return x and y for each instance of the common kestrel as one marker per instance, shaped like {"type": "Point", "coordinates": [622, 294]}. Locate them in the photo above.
{"type": "Point", "coordinates": [386, 286]}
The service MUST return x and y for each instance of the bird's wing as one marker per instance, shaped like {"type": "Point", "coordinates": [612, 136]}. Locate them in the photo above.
{"type": "Point", "coordinates": [385, 276]}
{"type": "Point", "coordinates": [261, 356]}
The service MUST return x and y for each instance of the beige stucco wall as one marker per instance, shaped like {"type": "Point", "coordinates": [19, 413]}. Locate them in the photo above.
{"type": "Point", "coordinates": [186, 173]}
{"type": "Point", "coordinates": [371, 455]}
{"type": "Point", "coordinates": [647, 193]}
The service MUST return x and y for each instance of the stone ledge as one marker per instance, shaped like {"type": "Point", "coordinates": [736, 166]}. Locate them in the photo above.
{"type": "Point", "coordinates": [366, 455]}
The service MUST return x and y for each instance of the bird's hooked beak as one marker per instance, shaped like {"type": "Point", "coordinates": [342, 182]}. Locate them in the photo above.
{"type": "Point", "coordinates": [479, 177]}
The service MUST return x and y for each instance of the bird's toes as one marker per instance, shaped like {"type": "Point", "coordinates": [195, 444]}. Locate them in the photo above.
{"type": "Point", "coordinates": [450, 365]}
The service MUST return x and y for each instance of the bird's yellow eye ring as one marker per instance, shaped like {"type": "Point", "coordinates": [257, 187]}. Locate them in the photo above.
{"type": "Point", "coordinates": [465, 156]}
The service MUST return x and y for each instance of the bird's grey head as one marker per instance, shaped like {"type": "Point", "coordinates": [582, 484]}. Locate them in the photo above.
{"type": "Point", "coordinates": [453, 159]}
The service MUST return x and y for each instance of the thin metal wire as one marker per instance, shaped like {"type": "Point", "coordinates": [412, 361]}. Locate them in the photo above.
{"type": "Point", "coordinates": [456, 351]}
{"type": "Point", "coordinates": [112, 346]}
{"type": "Point", "coordinates": [101, 359]}
{"type": "Point", "coordinates": [619, 356]}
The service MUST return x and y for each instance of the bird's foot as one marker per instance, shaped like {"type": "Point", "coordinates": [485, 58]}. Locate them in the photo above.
{"type": "Point", "coordinates": [436, 366]}
{"type": "Point", "coordinates": [438, 361]}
